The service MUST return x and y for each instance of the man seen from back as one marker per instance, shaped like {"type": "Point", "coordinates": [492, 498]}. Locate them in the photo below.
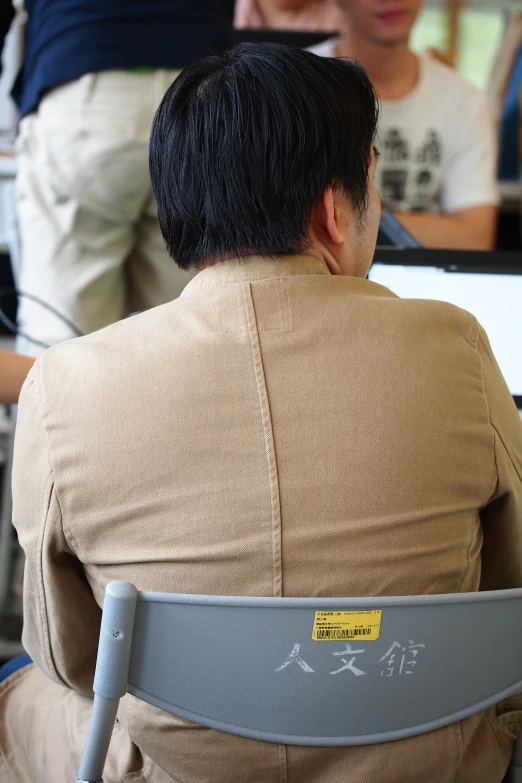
{"type": "Point", "coordinates": [284, 428]}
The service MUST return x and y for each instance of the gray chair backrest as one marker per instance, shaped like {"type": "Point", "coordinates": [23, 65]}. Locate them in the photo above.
{"type": "Point", "coordinates": [312, 671]}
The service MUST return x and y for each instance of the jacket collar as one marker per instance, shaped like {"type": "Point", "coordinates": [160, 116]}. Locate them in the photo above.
{"type": "Point", "coordinates": [257, 268]}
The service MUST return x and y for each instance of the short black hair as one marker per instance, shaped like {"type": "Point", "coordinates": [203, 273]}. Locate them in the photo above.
{"type": "Point", "coordinates": [244, 144]}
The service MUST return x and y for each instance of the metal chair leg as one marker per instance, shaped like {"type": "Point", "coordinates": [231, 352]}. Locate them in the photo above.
{"type": "Point", "coordinates": [111, 677]}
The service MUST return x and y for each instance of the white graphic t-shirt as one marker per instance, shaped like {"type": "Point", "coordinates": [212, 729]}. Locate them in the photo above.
{"type": "Point", "coordinates": [437, 145]}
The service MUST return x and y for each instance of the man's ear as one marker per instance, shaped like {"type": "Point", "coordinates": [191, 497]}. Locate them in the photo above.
{"type": "Point", "coordinates": [327, 218]}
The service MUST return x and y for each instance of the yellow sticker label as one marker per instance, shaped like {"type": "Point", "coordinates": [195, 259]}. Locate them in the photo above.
{"type": "Point", "coordinates": [344, 626]}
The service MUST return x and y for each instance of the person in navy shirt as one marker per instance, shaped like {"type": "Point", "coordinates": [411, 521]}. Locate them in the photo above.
{"type": "Point", "coordinates": [92, 78]}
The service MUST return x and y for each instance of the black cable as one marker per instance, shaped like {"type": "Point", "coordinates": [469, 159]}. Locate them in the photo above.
{"type": "Point", "coordinates": [19, 332]}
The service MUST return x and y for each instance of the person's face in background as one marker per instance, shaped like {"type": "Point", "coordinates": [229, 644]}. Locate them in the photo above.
{"type": "Point", "coordinates": [384, 22]}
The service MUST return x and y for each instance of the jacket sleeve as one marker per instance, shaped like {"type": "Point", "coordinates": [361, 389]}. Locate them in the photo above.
{"type": "Point", "coordinates": [502, 515]}
{"type": "Point", "coordinates": [61, 617]}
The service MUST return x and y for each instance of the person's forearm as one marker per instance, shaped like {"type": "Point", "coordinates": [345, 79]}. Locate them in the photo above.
{"type": "Point", "coordinates": [13, 372]}
{"type": "Point", "coordinates": [451, 232]}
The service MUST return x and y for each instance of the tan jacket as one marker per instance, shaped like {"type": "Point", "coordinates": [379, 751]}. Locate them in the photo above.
{"type": "Point", "coordinates": [275, 431]}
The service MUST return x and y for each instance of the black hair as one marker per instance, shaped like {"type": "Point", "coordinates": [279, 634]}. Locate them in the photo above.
{"type": "Point", "coordinates": [244, 144]}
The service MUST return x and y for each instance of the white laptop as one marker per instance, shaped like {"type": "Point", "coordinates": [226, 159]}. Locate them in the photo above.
{"type": "Point", "coordinates": [488, 285]}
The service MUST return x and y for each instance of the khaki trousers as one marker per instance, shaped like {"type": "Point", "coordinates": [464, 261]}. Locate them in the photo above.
{"type": "Point", "coordinates": [91, 245]}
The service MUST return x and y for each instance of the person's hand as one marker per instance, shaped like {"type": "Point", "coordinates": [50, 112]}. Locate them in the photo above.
{"type": "Point", "coordinates": [13, 372]}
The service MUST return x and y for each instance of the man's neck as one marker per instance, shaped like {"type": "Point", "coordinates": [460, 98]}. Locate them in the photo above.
{"type": "Point", "coordinates": [393, 69]}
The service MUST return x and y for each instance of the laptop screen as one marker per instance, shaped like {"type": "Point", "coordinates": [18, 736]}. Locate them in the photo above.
{"type": "Point", "coordinates": [494, 298]}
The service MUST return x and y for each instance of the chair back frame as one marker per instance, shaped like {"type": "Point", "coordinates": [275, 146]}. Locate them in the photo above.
{"type": "Point", "coordinates": [331, 671]}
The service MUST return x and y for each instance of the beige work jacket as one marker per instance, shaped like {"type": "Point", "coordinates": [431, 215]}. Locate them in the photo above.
{"type": "Point", "coordinates": [275, 431]}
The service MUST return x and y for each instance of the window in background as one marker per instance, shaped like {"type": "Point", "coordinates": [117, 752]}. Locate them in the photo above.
{"type": "Point", "coordinates": [480, 38]}
{"type": "Point", "coordinates": [430, 30]}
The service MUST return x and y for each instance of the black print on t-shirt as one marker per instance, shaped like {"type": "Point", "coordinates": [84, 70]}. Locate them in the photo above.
{"type": "Point", "coordinates": [400, 163]}
{"type": "Point", "coordinates": [393, 185]}
{"type": "Point", "coordinates": [431, 151]}
{"type": "Point", "coordinates": [395, 146]}
{"type": "Point", "coordinates": [423, 196]}
{"type": "Point", "coordinates": [424, 178]}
